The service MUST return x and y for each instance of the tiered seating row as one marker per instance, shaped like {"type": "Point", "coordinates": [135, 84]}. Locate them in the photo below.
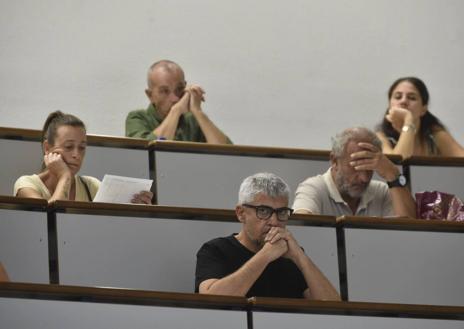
{"type": "Point", "coordinates": [203, 175]}
{"type": "Point", "coordinates": [153, 248]}
{"type": "Point", "coordinates": [214, 172]}
{"type": "Point", "coordinates": [56, 306]}
{"type": "Point", "coordinates": [144, 247]}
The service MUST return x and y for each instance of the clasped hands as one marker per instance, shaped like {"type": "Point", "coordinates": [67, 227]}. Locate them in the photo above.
{"type": "Point", "coordinates": [190, 100]}
{"type": "Point", "coordinates": [279, 242]}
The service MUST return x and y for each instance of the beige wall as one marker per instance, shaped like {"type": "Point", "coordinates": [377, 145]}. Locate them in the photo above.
{"type": "Point", "coordinates": [276, 73]}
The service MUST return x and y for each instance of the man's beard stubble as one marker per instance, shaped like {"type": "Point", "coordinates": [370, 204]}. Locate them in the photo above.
{"type": "Point", "coordinates": [346, 189]}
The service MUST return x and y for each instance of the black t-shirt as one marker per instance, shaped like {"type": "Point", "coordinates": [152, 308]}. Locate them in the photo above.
{"type": "Point", "coordinates": [223, 256]}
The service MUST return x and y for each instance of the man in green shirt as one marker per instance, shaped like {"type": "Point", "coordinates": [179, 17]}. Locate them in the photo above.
{"type": "Point", "coordinates": [175, 110]}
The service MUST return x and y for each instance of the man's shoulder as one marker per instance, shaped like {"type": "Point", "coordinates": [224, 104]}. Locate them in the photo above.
{"type": "Point", "coordinates": [378, 185]}
{"type": "Point", "coordinates": [313, 181]}
{"type": "Point", "coordinates": [311, 195]}
{"type": "Point", "coordinates": [220, 245]}
{"type": "Point", "coordinates": [378, 190]}
{"type": "Point", "coordinates": [137, 113]}
{"type": "Point", "coordinates": [316, 178]}
{"type": "Point", "coordinates": [220, 241]}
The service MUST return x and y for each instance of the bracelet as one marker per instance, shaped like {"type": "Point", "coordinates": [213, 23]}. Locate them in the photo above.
{"type": "Point", "coordinates": [409, 127]}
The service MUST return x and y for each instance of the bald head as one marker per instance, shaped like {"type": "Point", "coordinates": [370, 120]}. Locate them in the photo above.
{"type": "Point", "coordinates": [163, 66]}
{"type": "Point", "coordinates": [166, 85]}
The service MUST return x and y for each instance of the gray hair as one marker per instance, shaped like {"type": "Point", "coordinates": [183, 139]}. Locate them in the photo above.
{"type": "Point", "coordinates": [165, 64]}
{"type": "Point", "coordinates": [357, 134]}
{"type": "Point", "coordinates": [262, 183]}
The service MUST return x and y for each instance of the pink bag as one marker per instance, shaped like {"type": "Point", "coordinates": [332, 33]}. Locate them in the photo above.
{"type": "Point", "coordinates": [439, 205]}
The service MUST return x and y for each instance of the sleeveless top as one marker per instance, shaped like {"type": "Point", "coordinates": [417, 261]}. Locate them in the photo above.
{"type": "Point", "coordinates": [432, 147]}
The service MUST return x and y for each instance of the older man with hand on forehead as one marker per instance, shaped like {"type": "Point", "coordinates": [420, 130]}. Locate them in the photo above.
{"type": "Point", "coordinates": [175, 111]}
{"type": "Point", "coordinates": [263, 259]}
{"type": "Point", "coordinates": [347, 187]}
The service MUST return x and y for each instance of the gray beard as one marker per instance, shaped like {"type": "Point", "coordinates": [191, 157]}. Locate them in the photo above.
{"type": "Point", "coordinates": [344, 188]}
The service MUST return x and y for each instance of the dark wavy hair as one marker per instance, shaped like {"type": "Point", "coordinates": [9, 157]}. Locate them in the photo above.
{"type": "Point", "coordinates": [57, 119]}
{"type": "Point", "coordinates": [428, 122]}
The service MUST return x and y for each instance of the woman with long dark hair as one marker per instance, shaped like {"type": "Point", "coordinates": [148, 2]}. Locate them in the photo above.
{"type": "Point", "coordinates": [408, 128]}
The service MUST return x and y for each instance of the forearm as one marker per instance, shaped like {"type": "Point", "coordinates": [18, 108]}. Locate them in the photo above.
{"type": "Point", "coordinates": [405, 145]}
{"type": "Point", "coordinates": [447, 145]}
{"type": "Point", "coordinates": [407, 137]}
{"type": "Point", "coordinates": [168, 127]}
{"type": "Point", "coordinates": [319, 286]}
{"type": "Point", "coordinates": [403, 202]}
{"type": "Point", "coordinates": [239, 282]}
{"type": "Point", "coordinates": [212, 133]}
{"type": "Point", "coordinates": [62, 189]}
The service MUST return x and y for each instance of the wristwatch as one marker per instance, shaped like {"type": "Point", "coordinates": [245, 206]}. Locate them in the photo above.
{"type": "Point", "coordinates": [409, 127]}
{"type": "Point", "coordinates": [400, 181]}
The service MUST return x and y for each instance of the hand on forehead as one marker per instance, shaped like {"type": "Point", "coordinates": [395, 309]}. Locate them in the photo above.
{"type": "Point", "coordinates": [359, 150]}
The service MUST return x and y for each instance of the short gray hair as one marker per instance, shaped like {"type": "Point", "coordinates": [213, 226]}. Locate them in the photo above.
{"type": "Point", "coordinates": [262, 183]}
{"type": "Point", "coordinates": [356, 134]}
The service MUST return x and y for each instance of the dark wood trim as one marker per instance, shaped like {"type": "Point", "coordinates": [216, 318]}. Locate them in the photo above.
{"type": "Point", "coordinates": [113, 141]}
{"type": "Point", "coordinates": [437, 161]}
{"type": "Point", "coordinates": [150, 211]}
{"type": "Point", "coordinates": [312, 220]}
{"type": "Point", "coordinates": [120, 296]}
{"type": "Point", "coordinates": [240, 150]}
{"type": "Point", "coordinates": [342, 266]}
{"type": "Point", "coordinates": [246, 150]}
{"type": "Point", "coordinates": [243, 150]}
{"type": "Point", "coordinates": [20, 134]}
{"type": "Point", "coordinates": [255, 304]}
{"type": "Point", "coordinates": [93, 140]}
{"type": "Point", "coordinates": [132, 210]}
{"type": "Point", "coordinates": [16, 203]}
{"type": "Point", "coordinates": [53, 259]}
{"type": "Point", "coordinates": [205, 214]}
{"type": "Point", "coordinates": [152, 175]}
{"type": "Point", "coordinates": [402, 224]}
{"type": "Point", "coordinates": [357, 308]}
{"type": "Point", "coordinates": [249, 318]}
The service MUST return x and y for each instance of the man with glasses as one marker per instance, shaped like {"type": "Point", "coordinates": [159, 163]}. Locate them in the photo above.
{"type": "Point", "coordinates": [263, 259]}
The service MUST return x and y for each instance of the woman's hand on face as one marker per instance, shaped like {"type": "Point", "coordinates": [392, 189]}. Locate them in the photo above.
{"type": "Point", "coordinates": [144, 197]}
{"type": "Point", "coordinates": [56, 165]}
{"type": "Point", "coordinates": [398, 117]}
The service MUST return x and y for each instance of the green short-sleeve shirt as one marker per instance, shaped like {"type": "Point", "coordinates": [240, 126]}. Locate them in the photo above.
{"type": "Point", "coordinates": [141, 123]}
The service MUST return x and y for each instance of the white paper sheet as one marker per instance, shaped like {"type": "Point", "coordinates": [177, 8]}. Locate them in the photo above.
{"type": "Point", "coordinates": [119, 189]}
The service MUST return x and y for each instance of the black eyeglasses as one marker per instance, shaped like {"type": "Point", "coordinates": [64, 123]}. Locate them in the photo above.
{"type": "Point", "coordinates": [265, 212]}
